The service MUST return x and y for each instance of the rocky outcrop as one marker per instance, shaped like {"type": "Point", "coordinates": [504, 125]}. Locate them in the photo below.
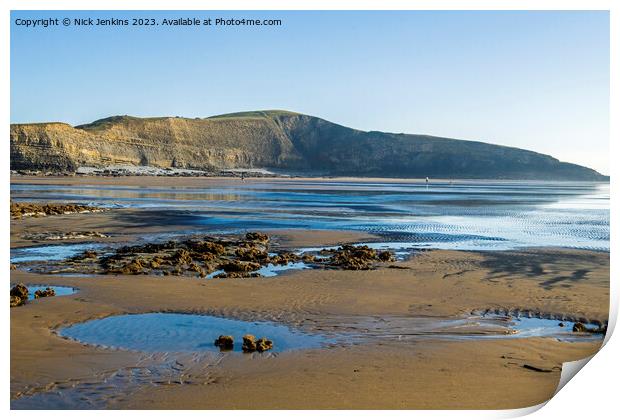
{"type": "Point", "coordinates": [225, 342]}
{"type": "Point", "coordinates": [19, 210]}
{"type": "Point", "coordinates": [582, 328]}
{"type": "Point", "coordinates": [273, 139]}
{"type": "Point", "coordinates": [350, 257]}
{"type": "Point", "coordinates": [47, 292]}
{"type": "Point", "coordinates": [251, 344]}
{"type": "Point", "coordinates": [219, 257]}
{"type": "Point", "coordinates": [19, 295]}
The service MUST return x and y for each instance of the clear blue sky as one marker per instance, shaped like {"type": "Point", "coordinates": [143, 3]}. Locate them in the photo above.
{"type": "Point", "coordinates": [535, 80]}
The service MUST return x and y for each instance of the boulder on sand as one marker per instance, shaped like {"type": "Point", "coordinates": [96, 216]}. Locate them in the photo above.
{"type": "Point", "coordinates": [249, 343]}
{"type": "Point", "coordinates": [257, 236]}
{"type": "Point", "coordinates": [240, 266]}
{"type": "Point", "coordinates": [19, 295]}
{"type": "Point", "coordinates": [48, 291]}
{"type": "Point", "coordinates": [263, 344]}
{"type": "Point", "coordinates": [225, 342]}
{"type": "Point", "coordinates": [386, 256]}
{"type": "Point", "coordinates": [15, 301]}
{"type": "Point", "coordinates": [581, 327]}
{"type": "Point", "coordinates": [20, 291]}
{"type": "Point", "coordinates": [251, 254]}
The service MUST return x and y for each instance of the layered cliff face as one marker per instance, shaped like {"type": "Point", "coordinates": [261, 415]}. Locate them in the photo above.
{"type": "Point", "coordinates": [273, 139]}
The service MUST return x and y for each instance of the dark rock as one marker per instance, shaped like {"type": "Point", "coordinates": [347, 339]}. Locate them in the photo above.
{"type": "Point", "coordinates": [256, 236]}
{"type": "Point", "coordinates": [240, 266]}
{"type": "Point", "coordinates": [182, 256]}
{"type": "Point", "coordinates": [89, 254]}
{"type": "Point", "coordinates": [19, 210]}
{"type": "Point", "coordinates": [249, 343]}
{"type": "Point", "coordinates": [308, 258]}
{"type": "Point", "coordinates": [19, 295]}
{"type": "Point", "coordinates": [225, 342]}
{"type": "Point", "coordinates": [579, 327]}
{"type": "Point", "coordinates": [15, 301]}
{"type": "Point", "coordinates": [208, 247]}
{"type": "Point", "coordinates": [386, 256]}
{"type": "Point", "coordinates": [263, 344]}
{"type": "Point", "coordinates": [20, 291]}
{"type": "Point", "coordinates": [251, 254]}
{"type": "Point", "coordinates": [48, 291]}
{"type": "Point", "coordinates": [284, 258]}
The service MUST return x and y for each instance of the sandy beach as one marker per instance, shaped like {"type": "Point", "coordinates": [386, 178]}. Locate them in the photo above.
{"type": "Point", "coordinates": [378, 371]}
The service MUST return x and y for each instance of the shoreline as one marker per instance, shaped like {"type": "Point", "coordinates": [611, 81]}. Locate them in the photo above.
{"type": "Point", "coordinates": [128, 180]}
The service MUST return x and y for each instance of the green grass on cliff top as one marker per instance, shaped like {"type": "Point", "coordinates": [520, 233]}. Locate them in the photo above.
{"type": "Point", "coordinates": [255, 114]}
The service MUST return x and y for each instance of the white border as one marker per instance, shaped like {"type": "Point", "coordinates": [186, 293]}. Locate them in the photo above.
{"type": "Point", "coordinates": [591, 394]}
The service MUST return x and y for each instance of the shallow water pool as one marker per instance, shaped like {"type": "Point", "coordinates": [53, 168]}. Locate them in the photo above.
{"type": "Point", "coordinates": [60, 290]}
{"type": "Point", "coordinates": [50, 252]}
{"type": "Point", "coordinates": [174, 332]}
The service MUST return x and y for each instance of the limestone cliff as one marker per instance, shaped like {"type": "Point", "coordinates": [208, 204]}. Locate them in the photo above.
{"type": "Point", "coordinates": [273, 139]}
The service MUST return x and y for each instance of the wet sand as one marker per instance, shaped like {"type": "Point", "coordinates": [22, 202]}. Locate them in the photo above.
{"type": "Point", "coordinates": [425, 374]}
{"type": "Point", "coordinates": [374, 373]}
{"type": "Point", "coordinates": [191, 181]}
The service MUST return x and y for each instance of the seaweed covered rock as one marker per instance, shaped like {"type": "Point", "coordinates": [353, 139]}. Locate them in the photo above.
{"type": "Point", "coordinates": [20, 291]}
{"type": "Point", "coordinates": [19, 210]}
{"type": "Point", "coordinates": [182, 256]}
{"type": "Point", "coordinates": [351, 257]}
{"type": "Point", "coordinates": [15, 301]}
{"type": "Point", "coordinates": [210, 247]}
{"type": "Point", "coordinates": [252, 254]}
{"type": "Point", "coordinates": [257, 236]}
{"type": "Point", "coordinates": [19, 295]}
{"type": "Point", "coordinates": [240, 266]}
{"type": "Point", "coordinates": [133, 267]}
{"type": "Point", "coordinates": [89, 254]}
{"type": "Point", "coordinates": [263, 344]}
{"type": "Point", "coordinates": [581, 327]}
{"type": "Point", "coordinates": [47, 292]}
{"type": "Point", "coordinates": [386, 256]}
{"type": "Point", "coordinates": [308, 258]}
{"type": "Point", "coordinates": [249, 343]}
{"type": "Point", "coordinates": [284, 258]}
{"type": "Point", "coordinates": [234, 256]}
{"type": "Point", "coordinates": [236, 275]}
{"type": "Point", "coordinates": [225, 342]}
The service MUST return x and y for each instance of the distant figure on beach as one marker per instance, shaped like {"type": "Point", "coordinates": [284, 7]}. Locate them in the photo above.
{"type": "Point", "coordinates": [426, 180]}
{"type": "Point", "coordinates": [242, 177]}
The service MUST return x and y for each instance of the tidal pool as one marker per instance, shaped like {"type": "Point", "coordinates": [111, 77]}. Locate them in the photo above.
{"type": "Point", "coordinates": [50, 252]}
{"type": "Point", "coordinates": [174, 332]}
{"type": "Point", "coordinates": [60, 290]}
{"type": "Point", "coordinates": [522, 327]}
{"type": "Point", "coordinates": [270, 270]}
